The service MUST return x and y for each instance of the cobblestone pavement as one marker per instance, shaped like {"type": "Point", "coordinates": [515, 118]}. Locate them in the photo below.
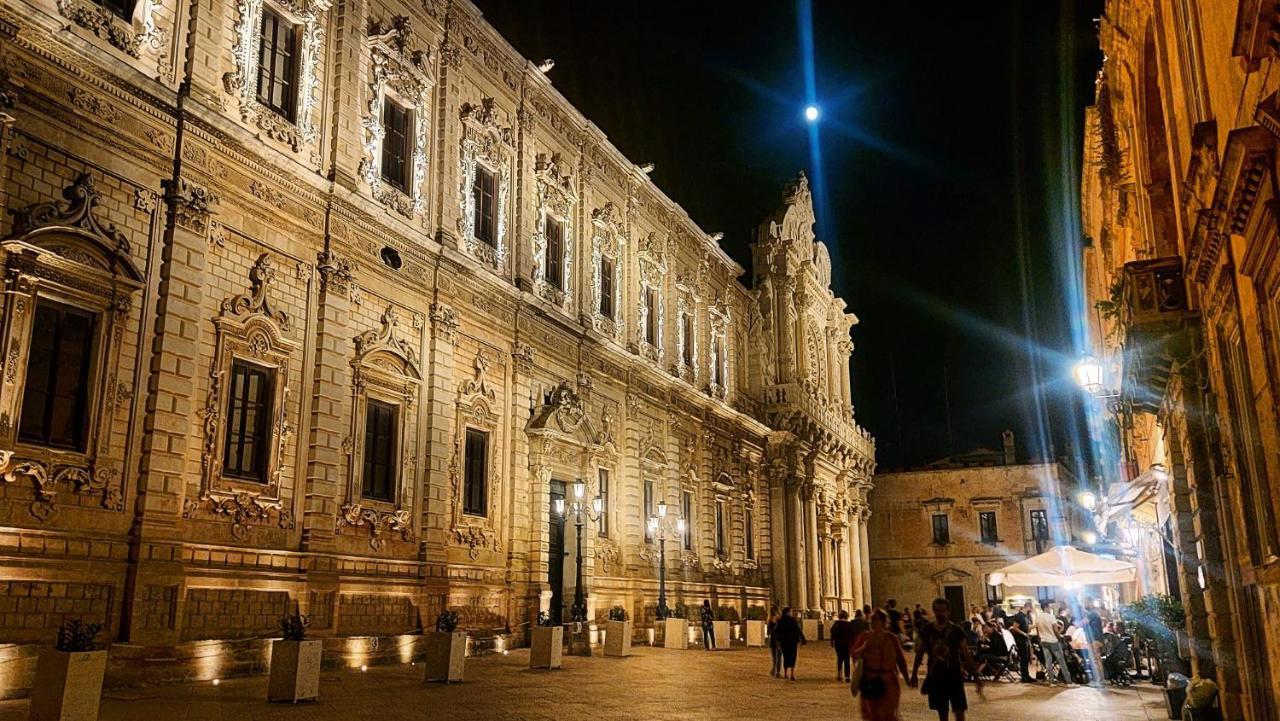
{"type": "Point", "coordinates": [652, 684]}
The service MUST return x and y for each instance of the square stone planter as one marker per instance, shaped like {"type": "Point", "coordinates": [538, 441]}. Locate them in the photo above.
{"type": "Point", "coordinates": [68, 685]}
{"type": "Point", "coordinates": [295, 671]}
{"type": "Point", "coordinates": [547, 647]}
{"type": "Point", "coordinates": [675, 633]}
{"type": "Point", "coordinates": [812, 628]}
{"type": "Point", "coordinates": [755, 633]}
{"type": "Point", "coordinates": [617, 638]}
{"type": "Point", "coordinates": [446, 656]}
{"type": "Point", "coordinates": [723, 640]}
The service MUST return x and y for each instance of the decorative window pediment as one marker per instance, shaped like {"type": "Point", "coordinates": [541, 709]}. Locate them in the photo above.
{"type": "Point", "coordinates": [242, 81]}
{"type": "Point", "coordinates": [556, 199]}
{"type": "Point", "coordinates": [477, 410]}
{"type": "Point", "coordinates": [251, 331]}
{"type": "Point", "coordinates": [608, 235]}
{"type": "Point", "coordinates": [404, 75]}
{"type": "Point", "coordinates": [653, 271]}
{"type": "Point", "coordinates": [132, 35]}
{"type": "Point", "coordinates": [487, 143]}
{"type": "Point", "coordinates": [62, 255]}
{"type": "Point", "coordinates": [718, 351]}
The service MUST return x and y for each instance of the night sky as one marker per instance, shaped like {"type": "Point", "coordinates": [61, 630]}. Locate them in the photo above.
{"type": "Point", "coordinates": [949, 149]}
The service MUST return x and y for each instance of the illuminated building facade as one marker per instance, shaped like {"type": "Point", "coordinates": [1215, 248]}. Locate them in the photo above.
{"type": "Point", "coordinates": [1179, 200]}
{"type": "Point", "coordinates": [321, 306]}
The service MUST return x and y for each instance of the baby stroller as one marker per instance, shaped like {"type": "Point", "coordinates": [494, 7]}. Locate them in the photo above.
{"type": "Point", "coordinates": [1075, 666]}
{"type": "Point", "coordinates": [1118, 650]}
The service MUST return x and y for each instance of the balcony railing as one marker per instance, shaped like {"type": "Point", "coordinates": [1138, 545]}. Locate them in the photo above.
{"type": "Point", "coordinates": [1155, 310]}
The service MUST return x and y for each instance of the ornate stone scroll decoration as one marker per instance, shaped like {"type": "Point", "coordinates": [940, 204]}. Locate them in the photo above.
{"type": "Point", "coordinates": [556, 197]}
{"type": "Point", "coordinates": [444, 320]}
{"type": "Point", "coordinates": [718, 352]}
{"type": "Point", "coordinates": [484, 142]}
{"type": "Point", "coordinates": [686, 313]}
{"type": "Point", "coordinates": [64, 252]}
{"type": "Point", "coordinates": [653, 272]}
{"type": "Point", "coordinates": [608, 235]}
{"type": "Point", "coordinates": [384, 368]}
{"type": "Point", "coordinates": [477, 384]}
{"type": "Point", "coordinates": [251, 330]}
{"type": "Point", "coordinates": [193, 204]}
{"type": "Point", "coordinates": [242, 82]}
{"type": "Point", "coordinates": [477, 408]}
{"type": "Point", "coordinates": [335, 273]}
{"type": "Point", "coordinates": [608, 559]}
{"type": "Point", "coordinates": [475, 538]}
{"type": "Point", "coordinates": [522, 356]}
{"type": "Point", "coordinates": [404, 75]}
{"type": "Point", "coordinates": [128, 36]}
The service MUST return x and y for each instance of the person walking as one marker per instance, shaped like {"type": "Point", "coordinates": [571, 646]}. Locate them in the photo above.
{"type": "Point", "coordinates": [842, 636]}
{"type": "Point", "coordinates": [790, 636]}
{"type": "Point", "coordinates": [949, 653]}
{"type": "Point", "coordinates": [1050, 646]}
{"type": "Point", "coordinates": [861, 624]}
{"type": "Point", "coordinates": [1020, 627]}
{"type": "Point", "coordinates": [708, 618]}
{"type": "Point", "coordinates": [878, 691]}
{"type": "Point", "coordinates": [774, 649]}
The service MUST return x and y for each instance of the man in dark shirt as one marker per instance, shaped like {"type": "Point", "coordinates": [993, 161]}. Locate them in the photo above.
{"type": "Point", "coordinates": [1020, 627]}
{"type": "Point", "coordinates": [842, 637]}
{"type": "Point", "coordinates": [860, 623]}
{"type": "Point", "coordinates": [949, 653]}
{"type": "Point", "coordinates": [1094, 633]}
{"type": "Point", "coordinates": [895, 616]}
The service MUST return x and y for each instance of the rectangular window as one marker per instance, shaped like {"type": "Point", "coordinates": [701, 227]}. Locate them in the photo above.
{"type": "Point", "coordinates": [379, 450]}
{"type": "Point", "coordinates": [651, 315]}
{"type": "Point", "coordinates": [987, 526]}
{"type": "Point", "coordinates": [649, 511]}
{"type": "Point", "coordinates": [717, 366]}
{"type": "Point", "coordinates": [122, 9]}
{"type": "Point", "coordinates": [1044, 593]}
{"type": "Point", "coordinates": [749, 521]}
{"type": "Point", "coordinates": [485, 192]}
{"type": "Point", "coordinates": [686, 512]}
{"type": "Point", "coordinates": [606, 287]}
{"type": "Point", "coordinates": [277, 63]}
{"type": "Point", "coordinates": [941, 531]}
{"type": "Point", "coordinates": [475, 495]}
{"type": "Point", "coordinates": [1039, 525]}
{"type": "Point", "coordinates": [721, 544]}
{"type": "Point", "coordinates": [248, 421]}
{"type": "Point", "coordinates": [555, 252]}
{"type": "Point", "coordinates": [55, 401]}
{"type": "Point", "coordinates": [995, 594]}
{"type": "Point", "coordinates": [1260, 533]}
{"type": "Point", "coordinates": [686, 339]}
{"type": "Point", "coordinates": [604, 503]}
{"type": "Point", "coordinates": [397, 144]}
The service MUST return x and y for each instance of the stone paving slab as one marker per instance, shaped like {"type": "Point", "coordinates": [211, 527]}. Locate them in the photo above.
{"type": "Point", "coordinates": [653, 683]}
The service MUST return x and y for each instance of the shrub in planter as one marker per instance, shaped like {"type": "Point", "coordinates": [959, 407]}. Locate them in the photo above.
{"type": "Point", "coordinates": [617, 639]}
{"type": "Point", "coordinates": [68, 685]}
{"type": "Point", "coordinates": [547, 646]}
{"type": "Point", "coordinates": [295, 662]}
{"type": "Point", "coordinates": [446, 650]}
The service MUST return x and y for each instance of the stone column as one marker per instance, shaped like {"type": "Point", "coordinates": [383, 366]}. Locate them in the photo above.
{"type": "Point", "coordinates": [781, 548]}
{"type": "Point", "coordinates": [530, 507]}
{"type": "Point", "coordinates": [855, 561]}
{"type": "Point", "coordinates": [847, 595]}
{"type": "Point", "coordinates": [798, 540]}
{"type": "Point", "coordinates": [811, 521]}
{"type": "Point", "coordinates": [863, 517]}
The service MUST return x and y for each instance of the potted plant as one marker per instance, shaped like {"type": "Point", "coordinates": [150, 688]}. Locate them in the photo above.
{"type": "Point", "coordinates": [675, 629]}
{"type": "Point", "coordinates": [1160, 620]}
{"type": "Point", "coordinates": [617, 637]}
{"type": "Point", "coordinates": [295, 662]}
{"type": "Point", "coordinates": [547, 645]}
{"type": "Point", "coordinates": [755, 626]}
{"type": "Point", "coordinates": [446, 650]}
{"type": "Point", "coordinates": [724, 617]}
{"type": "Point", "coordinates": [68, 684]}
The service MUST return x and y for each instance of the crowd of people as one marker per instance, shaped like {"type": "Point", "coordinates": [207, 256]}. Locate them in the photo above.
{"type": "Point", "coordinates": [1070, 643]}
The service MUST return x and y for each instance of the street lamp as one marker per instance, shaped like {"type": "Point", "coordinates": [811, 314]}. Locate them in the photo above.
{"type": "Point", "coordinates": [1088, 372]}
{"type": "Point", "coordinates": [578, 612]}
{"type": "Point", "coordinates": [658, 527]}
{"type": "Point", "coordinates": [1087, 499]}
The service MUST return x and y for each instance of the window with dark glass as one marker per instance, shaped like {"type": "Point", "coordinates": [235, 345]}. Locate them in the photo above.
{"type": "Point", "coordinates": [397, 144]}
{"type": "Point", "coordinates": [379, 450]}
{"type": "Point", "coordinates": [122, 9]}
{"type": "Point", "coordinates": [749, 521]}
{"type": "Point", "coordinates": [649, 510]}
{"type": "Point", "coordinates": [555, 252]}
{"type": "Point", "coordinates": [987, 526]}
{"type": "Point", "coordinates": [485, 191]}
{"type": "Point", "coordinates": [995, 594]}
{"type": "Point", "coordinates": [277, 63]}
{"type": "Point", "coordinates": [686, 512]}
{"type": "Point", "coordinates": [606, 287]}
{"type": "Point", "coordinates": [475, 494]}
{"type": "Point", "coordinates": [941, 530]}
{"type": "Point", "coordinates": [56, 397]}
{"type": "Point", "coordinates": [651, 315]}
{"type": "Point", "coordinates": [720, 529]}
{"type": "Point", "coordinates": [604, 503]}
{"type": "Point", "coordinates": [717, 368]}
{"type": "Point", "coordinates": [248, 422]}
{"type": "Point", "coordinates": [686, 339]}
{"type": "Point", "coordinates": [1039, 525]}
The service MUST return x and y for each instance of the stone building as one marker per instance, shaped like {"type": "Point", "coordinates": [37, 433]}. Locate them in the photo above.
{"type": "Point", "coordinates": [940, 530]}
{"type": "Point", "coordinates": [320, 306]}
{"type": "Point", "coordinates": [1179, 210]}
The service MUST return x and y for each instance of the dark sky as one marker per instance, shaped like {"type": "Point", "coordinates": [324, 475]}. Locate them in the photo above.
{"type": "Point", "coordinates": [944, 133]}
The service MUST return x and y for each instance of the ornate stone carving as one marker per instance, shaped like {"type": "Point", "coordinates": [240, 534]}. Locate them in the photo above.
{"type": "Point", "coordinates": [444, 320]}
{"type": "Point", "coordinates": [556, 197]}
{"type": "Point", "coordinates": [355, 515]}
{"type": "Point", "coordinates": [476, 385]}
{"type": "Point", "coordinates": [243, 509]}
{"type": "Point", "coordinates": [256, 301]}
{"type": "Point", "coordinates": [476, 538]}
{"type": "Point", "coordinates": [335, 273]}
{"type": "Point", "coordinates": [192, 204]}
{"type": "Point", "coordinates": [262, 191]}
{"type": "Point", "coordinates": [384, 338]}
{"type": "Point", "coordinates": [79, 211]}
{"type": "Point", "coordinates": [403, 74]}
{"type": "Point", "coordinates": [485, 142]}
{"type": "Point", "coordinates": [522, 356]}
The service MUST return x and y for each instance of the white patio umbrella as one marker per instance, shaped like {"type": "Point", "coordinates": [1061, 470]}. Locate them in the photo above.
{"type": "Point", "coordinates": [1062, 566]}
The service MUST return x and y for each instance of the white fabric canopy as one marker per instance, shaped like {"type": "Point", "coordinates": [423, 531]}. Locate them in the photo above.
{"type": "Point", "coordinates": [1064, 565]}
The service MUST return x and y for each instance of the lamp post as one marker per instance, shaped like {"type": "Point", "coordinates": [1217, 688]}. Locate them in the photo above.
{"type": "Point", "coordinates": [578, 612]}
{"type": "Point", "coordinates": [658, 527]}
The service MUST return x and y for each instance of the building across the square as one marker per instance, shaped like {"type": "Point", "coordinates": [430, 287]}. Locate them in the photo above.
{"type": "Point", "coordinates": [322, 307]}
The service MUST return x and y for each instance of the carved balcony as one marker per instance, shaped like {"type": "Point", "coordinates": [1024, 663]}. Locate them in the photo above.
{"type": "Point", "coordinates": [1154, 315]}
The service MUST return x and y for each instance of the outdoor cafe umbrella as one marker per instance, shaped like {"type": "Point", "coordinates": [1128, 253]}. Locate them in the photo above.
{"type": "Point", "coordinates": [1063, 566]}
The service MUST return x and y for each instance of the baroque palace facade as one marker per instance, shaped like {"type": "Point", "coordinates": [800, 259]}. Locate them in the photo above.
{"type": "Point", "coordinates": [1180, 202]}
{"type": "Point", "coordinates": [321, 306]}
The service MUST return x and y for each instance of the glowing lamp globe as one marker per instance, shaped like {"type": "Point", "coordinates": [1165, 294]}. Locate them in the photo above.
{"type": "Point", "coordinates": [1090, 537]}
{"type": "Point", "coordinates": [1087, 499]}
{"type": "Point", "coordinates": [1088, 374]}
{"type": "Point", "coordinates": [811, 113]}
